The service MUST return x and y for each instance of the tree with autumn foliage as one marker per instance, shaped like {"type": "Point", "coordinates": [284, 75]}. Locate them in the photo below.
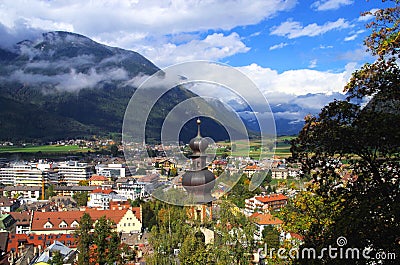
{"type": "Point", "coordinates": [99, 243]}
{"type": "Point", "coordinates": [360, 200]}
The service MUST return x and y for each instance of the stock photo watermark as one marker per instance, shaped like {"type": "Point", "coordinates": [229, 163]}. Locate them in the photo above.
{"type": "Point", "coordinates": [338, 251]}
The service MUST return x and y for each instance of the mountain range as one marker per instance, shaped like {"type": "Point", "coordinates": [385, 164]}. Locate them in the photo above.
{"type": "Point", "coordinates": [64, 85]}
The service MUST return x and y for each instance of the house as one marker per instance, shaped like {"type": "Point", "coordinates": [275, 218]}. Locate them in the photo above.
{"type": "Point", "coordinates": [8, 205]}
{"type": "Point", "coordinates": [66, 222]}
{"type": "Point", "coordinates": [251, 169]}
{"type": "Point", "coordinates": [100, 198]}
{"type": "Point", "coordinates": [71, 190]}
{"type": "Point", "coordinates": [163, 163]}
{"type": "Point", "coordinates": [23, 192]}
{"type": "Point", "coordinates": [40, 241]}
{"type": "Point", "coordinates": [97, 180]}
{"type": "Point", "coordinates": [262, 220]}
{"type": "Point", "coordinates": [7, 223]}
{"type": "Point", "coordinates": [265, 203]}
{"type": "Point", "coordinates": [279, 173]}
{"type": "Point", "coordinates": [22, 225]}
{"type": "Point", "coordinates": [132, 189]}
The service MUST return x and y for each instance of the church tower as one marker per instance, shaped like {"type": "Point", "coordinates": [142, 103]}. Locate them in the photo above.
{"type": "Point", "coordinates": [199, 181]}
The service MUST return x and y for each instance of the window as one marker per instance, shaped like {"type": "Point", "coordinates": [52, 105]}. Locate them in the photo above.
{"type": "Point", "coordinates": [63, 224]}
{"type": "Point", "coordinates": [74, 224]}
{"type": "Point", "coordinates": [48, 225]}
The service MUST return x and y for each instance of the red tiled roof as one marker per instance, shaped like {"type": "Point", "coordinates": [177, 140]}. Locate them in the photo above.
{"type": "Point", "coordinates": [104, 191]}
{"type": "Point", "coordinates": [252, 167]}
{"type": "Point", "coordinates": [56, 218]}
{"type": "Point", "coordinates": [98, 178]}
{"type": "Point", "coordinates": [265, 219]}
{"type": "Point", "coordinates": [271, 198]}
{"type": "Point", "coordinates": [22, 218]}
{"type": "Point", "coordinates": [297, 236]}
{"type": "Point", "coordinates": [15, 240]}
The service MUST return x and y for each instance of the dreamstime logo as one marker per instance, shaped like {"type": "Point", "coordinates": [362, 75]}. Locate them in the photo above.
{"type": "Point", "coordinates": [213, 85]}
{"type": "Point", "coordinates": [341, 241]}
{"type": "Point", "coordinates": [331, 252]}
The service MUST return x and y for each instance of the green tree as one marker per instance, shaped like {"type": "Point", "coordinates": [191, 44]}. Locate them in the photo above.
{"type": "Point", "coordinates": [240, 191]}
{"type": "Point", "coordinates": [83, 182]}
{"type": "Point", "coordinates": [102, 230]}
{"type": "Point", "coordinates": [81, 198]}
{"type": "Point", "coordinates": [270, 236]}
{"type": "Point", "coordinates": [98, 244]}
{"type": "Point", "coordinates": [49, 192]}
{"type": "Point", "coordinates": [366, 195]}
{"type": "Point", "coordinates": [170, 232]}
{"type": "Point", "coordinates": [234, 241]}
{"type": "Point", "coordinates": [84, 238]}
{"type": "Point", "coordinates": [149, 216]}
{"type": "Point", "coordinates": [193, 250]}
{"type": "Point", "coordinates": [115, 250]}
{"type": "Point", "coordinates": [56, 258]}
{"type": "Point", "coordinates": [114, 150]}
{"type": "Point", "coordinates": [173, 172]}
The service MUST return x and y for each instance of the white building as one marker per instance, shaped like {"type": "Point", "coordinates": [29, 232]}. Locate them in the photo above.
{"type": "Point", "coordinates": [7, 176]}
{"type": "Point", "coordinates": [279, 173]}
{"type": "Point", "coordinates": [72, 172]}
{"type": "Point", "coordinates": [262, 220]}
{"type": "Point", "coordinates": [27, 175]}
{"type": "Point", "coordinates": [111, 170]}
{"type": "Point", "coordinates": [100, 198]}
{"type": "Point", "coordinates": [23, 192]}
{"type": "Point", "coordinates": [133, 189]}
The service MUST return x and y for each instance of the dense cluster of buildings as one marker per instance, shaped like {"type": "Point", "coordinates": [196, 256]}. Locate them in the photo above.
{"type": "Point", "coordinates": [35, 226]}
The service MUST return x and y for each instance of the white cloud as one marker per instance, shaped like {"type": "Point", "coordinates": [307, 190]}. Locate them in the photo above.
{"type": "Point", "coordinates": [350, 38]}
{"type": "Point", "coordinates": [298, 82]}
{"type": "Point", "coordinates": [214, 47]}
{"type": "Point", "coordinates": [324, 5]}
{"type": "Point", "coordinates": [354, 35]}
{"type": "Point", "coordinates": [72, 81]}
{"type": "Point", "coordinates": [325, 47]}
{"type": "Point", "coordinates": [313, 63]}
{"type": "Point", "coordinates": [164, 31]}
{"type": "Point", "coordinates": [108, 20]}
{"type": "Point", "coordinates": [278, 46]}
{"type": "Point", "coordinates": [294, 29]}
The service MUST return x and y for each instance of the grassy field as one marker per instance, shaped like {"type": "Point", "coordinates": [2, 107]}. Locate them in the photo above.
{"type": "Point", "coordinates": [282, 148]}
{"type": "Point", "coordinates": [46, 149]}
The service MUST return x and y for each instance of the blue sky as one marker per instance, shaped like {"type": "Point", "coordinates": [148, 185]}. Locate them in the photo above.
{"type": "Point", "coordinates": [288, 48]}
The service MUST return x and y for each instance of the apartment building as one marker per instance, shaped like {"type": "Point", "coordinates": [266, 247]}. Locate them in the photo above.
{"type": "Point", "coordinates": [72, 172]}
